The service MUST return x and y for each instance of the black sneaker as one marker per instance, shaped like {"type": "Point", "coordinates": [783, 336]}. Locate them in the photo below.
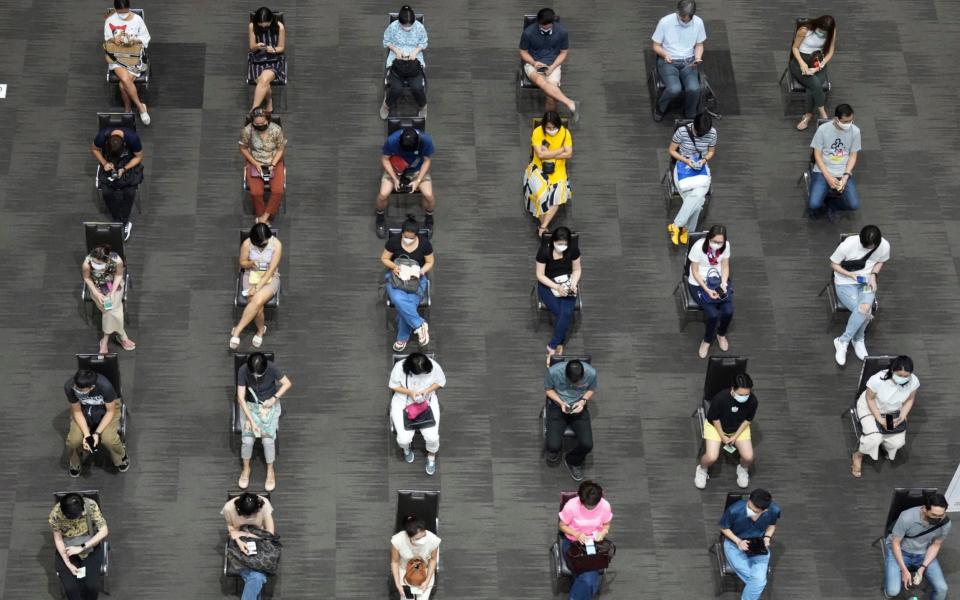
{"type": "Point", "coordinates": [124, 465]}
{"type": "Point", "coordinates": [657, 115]}
{"type": "Point", "coordinates": [575, 472]}
{"type": "Point", "coordinates": [74, 471]}
{"type": "Point", "coordinates": [552, 457]}
{"type": "Point", "coordinates": [381, 225]}
{"type": "Point", "coordinates": [428, 224]}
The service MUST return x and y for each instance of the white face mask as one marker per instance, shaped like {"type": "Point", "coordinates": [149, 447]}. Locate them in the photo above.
{"type": "Point", "coordinates": [124, 15]}
{"type": "Point", "coordinates": [682, 24]}
{"type": "Point", "coordinates": [716, 245]}
{"type": "Point", "coordinates": [741, 399]}
{"type": "Point", "coordinates": [98, 266]}
{"type": "Point", "coordinates": [897, 379]}
{"type": "Point", "coordinates": [409, 241]}
{"type": "Point", "coordinates": [406, 27]}
{"type": "Point", "coordinates": [844, 126]}
{"type": "Point", "coordinates": [751, 514]}
{"type": "Point", "coordinates": [561, 248]}
{"type": "Point", "coordinates": [551, 131]}
{"type": "Point", "coordinates": [421, 541]}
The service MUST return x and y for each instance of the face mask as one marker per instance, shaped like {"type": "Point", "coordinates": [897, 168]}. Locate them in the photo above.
{"type": "Point", "coordinates": [421, 541]}
{"type": "Point", "coordinates": [820, 33]}
{"type": "Point", "coordinates": [409, 241]}
{"type": "Point", "coordinates": [124, 15]}
{"type": "Point", "coordinates": [751, 514]}
{"type": "Point", "coordinates": [98, 266]}
{"type": "Point", "coordinates": [546, 31]}
{"type": "Point", "coordinates": [741, 399]}
{"type": "Point", "coordinates": [561, 248]}
{"type": "Point", "coordinates": [933, 520]}
{"type": "Point", "coordinates": [716, 245]}
{"type": "Point", "coordinates": [687, 24]}
{"type": "Point", "coordinates": [844, 126]}
{"type": "Point", "coordinates": [900, 380]}
{"type": "Point", "coordinates": [262, 127]}
{"type": "Point", "coordinates": [551, 131]}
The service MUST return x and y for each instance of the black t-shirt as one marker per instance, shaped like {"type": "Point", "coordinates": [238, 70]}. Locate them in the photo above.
{"type": "Point", "coordinates": [556, 267]}
{"type": "Point", "coordinates": [731, 413]}
{"type": "Point", "coordinates": [92, 403]}
{"type": "Point", "coordinates": [395, 247]}
{"type": "Point", "coordinates": [259, 390]}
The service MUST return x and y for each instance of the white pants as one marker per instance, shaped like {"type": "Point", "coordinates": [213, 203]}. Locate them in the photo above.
{"type": "Point", "coordinates": [693, 201]}
{"type": "Point", "coordinates": [431, 435]}
{"type": "Point", "coordinates": [872, 438]}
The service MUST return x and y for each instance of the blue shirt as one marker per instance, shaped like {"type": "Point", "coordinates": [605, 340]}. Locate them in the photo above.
{"type": "Point", "coordinates": [677, 39]}
{"type": "Point", "coordinates": [736, 520]}
{"type": "Point", "coordinates": [556, 380]}
{"type": "Point", "coordinates": [406, 41]}
{"type": "Point", "coordinates": [414, 159]}
{"type": "Point", "coordinates": [544, 47]}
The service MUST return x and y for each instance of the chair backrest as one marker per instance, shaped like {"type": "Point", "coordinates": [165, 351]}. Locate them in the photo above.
{"type": "Point", "coordinates": [391, 17]}
{"type": "Point", "coordinates": [107, 365]}
{"type": "Point", "coordinates": [424, 504]}
{"type": "Point", "coordinates": [904, 498]}
{"type": "Point", "coordinates": [733, 497]}
{"type": "Point", "coordinates": [278, 14]}
{"type": "Point", "coordinates": [720, 373]}
{"type": "Point", "coordinates": [529, 20]}
{"type": "Point", "coordinates": [398, 357]}
{"type": "Point", "coordinates": [554, 359]}
{"type": "Point", "coordinates": [871, 366]}
{"type": "Point", "coordinates": [392, 231]}
{"type": "Point", "coordinates": [535, 122]}
{"type": "Point", "coordinates": [97, 234]}
{"type": "Point", "coordinates": [692, 238]}
{"type": "Point", "coordinates": [117, 119]}
{"type": "Point", "coordinates": [395, 123]}
{"type": "Point", "coordinates": [566, 496]}
{"type": "Point", "coordinates": [90, 494]}
{"type": "Point", "coordinates": [245, 233]}
{"type": "Point", "coordinates": [273, 119]}
{"type": "Point", "coordinates": [678, 123]}
{"type": "Point", "coordinates": [139, 11]}
{"type": "Point", "coordinates": [240, 359]}
{"type": "Point", "coordinates": [547, 237]}
{"type": "Point", "coordinates": [231, 494]}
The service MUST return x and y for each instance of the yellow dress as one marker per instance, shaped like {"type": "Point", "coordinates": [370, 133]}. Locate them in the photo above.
{"type": "Point", "coordinates": [543, 192]}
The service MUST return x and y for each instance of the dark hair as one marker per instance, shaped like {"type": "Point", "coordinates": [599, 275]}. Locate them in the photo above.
{"type": "Point", "coordinates": [85, 378]}
{"type": "Point", "coordinates": [113, 147]}
{"type": "Point", "coordinates": [260, 234]}
{"type": "Point", "coordinates": [257, 113]}
{"type": "Point", "coordinates": [409, 139]}
{"type": "Point", "coordinates": [712, 233]}
{"type": "Point", "coordinates": [103, 252]}
{"type": "Point", "coordinates": [406, 16]}
{"type": "Point", "coordinates": [870, 236]}
{"type": "Point", "coordinates": [546, 16]}
{"type": "Point", "coordinates": [843, 110]}
{"type": "Point", "coordinates": [574, 370]}
{"type": "Point", "coordinates": [264, 15]}
{"type": "Point", "coordinates": [561, 234]}
{"type": "Point", "coordinates": [417, 364]}
{"type": "Point", "coordinates": [410, 225]}
{"type": "Point", "coordinates": [413, 525]}
{"type": "Point", "coordinates": [742, 380]}
{"type": "Point", "coordinates": [761, 498]}
{"type": "Point", "coordinates": [248, 504]}
{"type": "Point", "coordinates": [900, 363]}
{"type": "Point", "coordinates": [121, 4]}
{"type": "Point", "coordinates": [702, 124]}
{"type": "Point", "coordinates": [589, 493]}
{"type": "Point", "coordinates": [551, 117]}
{"type": "Point", "coordinates": [72, 505]}
{"type": "Point", "coordinates": [824, 22]}
{"type": "Point", "coordinates": [934, 499]}
{"type": "Point", "coordinates": [686, 8]}
{"type": "Point", "coordinates": [257, 364]}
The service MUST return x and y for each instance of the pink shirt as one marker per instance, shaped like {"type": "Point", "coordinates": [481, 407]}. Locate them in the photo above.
{"type": "Point", "coordinates": [578, 518]}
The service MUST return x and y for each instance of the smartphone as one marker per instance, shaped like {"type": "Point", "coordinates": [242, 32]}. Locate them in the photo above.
{"type": "Point", "coordinates": [730, 448]}
{"type": "Point", "coordinates": [591, 547]}
{"type": "Point", "coordinates": [542, 70]}
{"type": "Point", "coordinates": [861, 279]}
{"type": "Point", "coordinates": [107, 303]}
{"type": "Point", "coordinates": [407, 593]}
{"type": "Point", "coordinates": [251, 547]}
{"type": "Point", "coordinates": [889, 421]}
{"type": "Point", "coordinates": [721, 294]}
{"type": "Point", "coordinates": [81, 572]}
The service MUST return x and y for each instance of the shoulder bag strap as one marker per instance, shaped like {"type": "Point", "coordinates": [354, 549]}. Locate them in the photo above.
{"type": "Point", "coordinates": [693, 140]}
{"type": "Point", "coordinates": [869, 254]}
{"type": "Point", "coordinates": [930, 529]}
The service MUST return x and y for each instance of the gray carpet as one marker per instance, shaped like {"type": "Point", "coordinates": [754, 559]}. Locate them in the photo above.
{"type": "Point", "coordinates": [338, 471]}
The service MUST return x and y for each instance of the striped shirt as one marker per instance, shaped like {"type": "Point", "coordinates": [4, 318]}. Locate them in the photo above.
{"type": "Point", "coordinates": [682, 137]}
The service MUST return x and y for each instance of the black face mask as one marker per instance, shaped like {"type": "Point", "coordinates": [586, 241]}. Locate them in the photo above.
{"type": "Point", "coordinates": [262, 127]}
{"type": "Point", "coordinates": [933, 520]}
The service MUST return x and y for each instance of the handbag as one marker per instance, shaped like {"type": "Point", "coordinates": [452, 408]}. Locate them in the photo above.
{"type": "Point", "coordinates": [579, 561]}
{"type": "Point", "coordinates": [857, 264]}
{"type": "Point", "coordinates": [405, 69]}
{"type": "Point", "coordinates": [261, 57]}
{"type": "Point", "coordinates": [417, 415]}
{"type": "Point", "coordinates": [686, 176]}
{"type": "Point", "coordinates": [407, 285]}
{"type": "Point", "coordinates": [713, 281]}
{"type": "Point", "coordinates": [267, 558]}
{"type": "Point", "coordinates": [131, 177]}
{"type": "Point", "coordinates": [77, 540]}
{"type": "Point", "coordinates": [416, 572]}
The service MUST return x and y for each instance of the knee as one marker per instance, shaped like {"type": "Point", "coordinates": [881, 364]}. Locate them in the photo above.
{"type": "Point", "coordinates": [404, 437]}
{"type": "Point", "coordinates": [672, 88]}
{"type": "Point", "coordinates": [710, 457]}
{"type": "Point", "coordinates": [892, 587]}
{"type": "Point", "coordinates": [585, 442]}
{"type": "Point", "coordinates": [693, 88]}
{"type": "Point", "coordinates": [746, 457]}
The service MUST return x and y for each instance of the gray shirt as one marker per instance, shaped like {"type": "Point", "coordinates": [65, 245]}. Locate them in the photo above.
{"type": "Point", "coordinates": [911, 523]}
{"type": "Point", "coordinates": [836, 145]}
{"type": "Point", "coordinates": [556, 380]}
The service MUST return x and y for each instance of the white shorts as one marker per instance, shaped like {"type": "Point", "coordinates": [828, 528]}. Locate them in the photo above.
{"type": "Point", "coordinates": [553, 78]}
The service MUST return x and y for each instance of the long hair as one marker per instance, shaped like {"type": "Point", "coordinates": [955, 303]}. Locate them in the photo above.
{"type": "Point", "coordinates": [714, 232]}
{"type": "Point", "coordinates": [900, 363]}
{"type": "Point", "coordinates": [824, 22]}
{"type": "Point", "coordinates": [264, 15]}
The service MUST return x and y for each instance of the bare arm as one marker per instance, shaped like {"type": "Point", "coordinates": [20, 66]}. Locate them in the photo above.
{"type": "Point", "coordinates": [386, 258]}
{"type": "Point", "coordinates": [85, 270]}
{"type": "Point", "coordinates": [252, 38]}
{"type": "Point", "coordinates": [571, 531]}
{"type": "Point", "coordinates": [385, 163]}
{"type": "Point", "coordinates": [424, 169]}
{"type": "Point", "coordinates": [542, 277]}
{"type": "Point", "coordinates": [395, 569]}
{"type": "Point", "coordinates": [872, 405]}
{"type": "Point", "coordinates": [674, 150]}
{"type": "Point", "coordinates": [561, 58]}
{"type": "Point", "coordinates": [136, 160]}
{"type": "Point", "coordinates": [245, 262]}
{"type": "Point", "coordinates": [248, 156]}
{"type": "Point", "coordinates": [698, 52]}
{"type": "Point", "coordinates": [76, 413]}
{"type": "Point", "coordinates": [724, 271]}
{"type": "Point", "coordinates": [98, 154]}
{"type": "Point", "coordinates": [432, 566]}
{"type": "Point", "coordinates": [833, 46]}
{"type": "Point", "coordinates": [851, 163]}
{"type": "Point", "coordinates": [275, 261]}
{"type": "Point", "coordinates": [575, 275]}
{"type": "Point", "coordinates": [427, 264]}
{"type": "Point", "coordinates": [795, 50]}
{"type": "Point", "coordinates": [907, 406]}
{"type": "Point", "coordinates": [818, 158]}
{"type": "Point", "coordinates": [281, 40]}
{"type": "Point", "coordinates": [528, 58]}
{"type": "Point", "coordinates": [659, 51]}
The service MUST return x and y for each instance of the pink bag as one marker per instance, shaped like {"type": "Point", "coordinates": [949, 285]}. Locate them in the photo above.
{"type": "Point", "coordinates": [415, 409]}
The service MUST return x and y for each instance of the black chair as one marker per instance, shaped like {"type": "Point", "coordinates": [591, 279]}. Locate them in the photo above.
{"type": "Point", "coordinates": [233, 584]}
{"type": "Point", "coordinates": [279, 82]}
{"type": "Point", "coordinates": [523, 82]}
{"type": "Point", "coordinates": [97, 234]}
{"type": "Point", "coordinates": [425, 302]}
{"type": "Point", "coordinates": [708, 98]}
{"type": "Point", "coordinates": [142, 80]}
{"type": "Point", "coordinates": [539, 309]}
{"type": "Point", "coordinates": [669, 187]}
{"type": "Point", "coordinates": [793, 87]}
{"type": "Point", "coordinates": [105, 565]}
{"type": "Point", "coordinates": [117, 120]}
{"type": "Point", "coordinates": [838, 312]}
{"type": "Point", "coordinates": [720, 373]}
{"type": "Point", "coordinates": [240, 301]}
{"type": "Point", "coordinates": [903, 498]}
{"type": "Point", "coordinates": [390, 427]}
{"type": "Point", "coordinates": [687, 307]}
{"type": "Point", "coordinates": [425, 505]}
{"type": "Point", "coordinates": [266, 184]}
{"type": "Point", "coordinates": [871, 366]}
{"type": "Point", "coordinates": [727, 579]}
{"type": "Point", "coordinates": [395, 123]}
{"type": "Point", "coordinates": [568, 433]}
{"type": "Point", "coordinates": [108, 365]}
{"type": "Point", "coordinates": [236, 415]}
{"type": "Point", "coordinates": [561, 575]}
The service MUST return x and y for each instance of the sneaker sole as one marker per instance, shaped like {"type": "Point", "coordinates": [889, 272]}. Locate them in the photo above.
{"type": "Point", "coordinates": [569, 469]}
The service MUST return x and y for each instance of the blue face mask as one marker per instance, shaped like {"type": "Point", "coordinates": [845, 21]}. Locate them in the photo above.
{"type": "Point", "coordinates": [741, 399]}
{"type": "Point", "coordinates": [900, 380]}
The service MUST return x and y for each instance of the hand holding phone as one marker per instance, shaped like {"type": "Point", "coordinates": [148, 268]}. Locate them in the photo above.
{"type": "Point", "coordinates": [81, 572]}
{"type": "Point", "coordinates": [251, 548]}
{"type": "Point", "coordinates": [889, 419]}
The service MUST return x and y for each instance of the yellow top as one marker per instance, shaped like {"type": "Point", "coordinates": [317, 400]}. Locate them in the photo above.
{"type": "Point", "coordinates": [554, 142]}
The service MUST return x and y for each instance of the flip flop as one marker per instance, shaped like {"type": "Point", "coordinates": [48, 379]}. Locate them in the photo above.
{"type": "Point", "coordinates": [399, 346]}
{"type": "Point", "coordinates": [270, 484]}
{"type": "Point", "coordinates": [857, 473]}
{"type": "Point", "coordinates": [243, 482]}
{"type": "Point", "coordinates": [234, 341]}
{"type": "Point", "coordinates": [258, 339]}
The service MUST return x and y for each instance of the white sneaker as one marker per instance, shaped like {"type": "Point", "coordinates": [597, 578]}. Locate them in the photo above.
{"type": "Point", "coordinates": [384, 110]}
{"type": "Point", "coordinates": [700, 478]}
{"type": "Point", "coordinates": [860, 349]}
{"type": "Point", "coordinates": [145, 116]}
{"type": "Point", "coordinates": [126, 231]}
{"type": "Point", "coordinates": [743, 476]}
{"type": "Point", "coordinates": [841, 351]}
{"type": "Point", "coordinates": [423, 112]}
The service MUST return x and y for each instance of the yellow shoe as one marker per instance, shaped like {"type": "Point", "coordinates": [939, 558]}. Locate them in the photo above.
{"type": "Point", "coordinates": [683, 236]}
{"type": "Point", "coordinates": [674, 232]}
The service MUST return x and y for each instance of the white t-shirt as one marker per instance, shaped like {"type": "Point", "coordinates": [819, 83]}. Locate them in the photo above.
{"type": "Point", "coordinates": [891, 395]}
{"type": "Point", "coordinates": [812, 42]}
{"type": "Point", "coordinates": [408, 550]}
{"type": "Point", "coordinates": [699, 260]}
{"type": "Point", "coordinates": [133, 26]}
{"type": "Point", "coordinates": [850, 249]}
{"type": "Point", "coordinates": [415, 382]}
{"type": "Point", "coordinates": [677, 39]}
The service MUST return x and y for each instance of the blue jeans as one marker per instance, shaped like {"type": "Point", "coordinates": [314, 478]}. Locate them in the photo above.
{"type": "Point", "coordinates": [933, 574]}
{"type": "Point", "coordinates": [716, 316]}
{"type": "Point", "coordinates": [253, 582]}
{"type": "Point", "coordinates": [752, 570]}
{"type": "Point", "coordinates": [406, 304]}
{"type": "Point", "coordinates": [849, 199]}
{"type": "Point", "coordinates": [679, 77]}
{"type": "Point", "coordinates": [562, 309]}
{"type": "Point", "coordinates": [585, 585]}
{"type": "Point", "coordinates": [851, 297]}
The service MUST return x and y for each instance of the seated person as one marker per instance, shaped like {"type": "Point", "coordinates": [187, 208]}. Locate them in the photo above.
{"type": "Point", "coordinates": [856, 262]}
{"type": "Point", "coordinates": [120, 154]}
{"type": "Point", "coordinates": [128, 28]}
{"type": "Point", "coordinates": [709, 282]}
{"type": "Point", "coordinates": [678, 44]}
{"type": "Point", "coordinates": [406, 164]}
{"type": "Point", "coordinates": [263, 145]}
{"type": "Point", "coordinates": [267, 40]}
{"type": "Point", "coordinates": [728, 423]}
{"type": "Point", "coordinates": [558, 282]}
{"type": "Point", "coordinates": [836, 147]}
{"type": "Point", "coordinates": [102, 272]}
{"type": "Point", "coordinates": [414, 541]}
{"type": "Point", "coordinates": [259, 260]}
{"type": "Point", "coordinates": [543, 49]}
{"type": "Point", "coordinates": [693, 145]}
{"type": "Point", "coordinates": [889, 393]}
{"type": "Point", "coordinates": [545, 182]}
{"type": "Point", "coordinates": [248, 509]}
{"type": "Point", "coordinates": [406, 38]}
{"type": "Point", "coordinates": [260, 385]}
{"type": "Point", "coordinates": [586, 517]}
{"type": "Point", "coordinates": [751, 519]}
{"type": "Point", "coordinates": [413, 380]}
{"type": "Point", "coordinates": [406, 286]}
{"type": "Point", "coordinates": [813, 46]}
{"type": "Point", "coordinates": [78, 529]}
{"type": "Point", "coordinates": [915, 543]}
{"type": "Point", "coordinates": [94, 420]}
{"type": "Point", "coordinates": [569, 385]}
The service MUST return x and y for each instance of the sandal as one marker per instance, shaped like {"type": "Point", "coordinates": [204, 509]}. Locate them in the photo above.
{"type": "Point", "coordinates": [127, 344]}
{"type": "Point", "coordinates": [270, 484]}
{"type": "Point", "coordinates": [399, 346]}
{"type": "Point", "coordinates": [258, 339]}
{"type": "Point", "coordinates": [244, 481]}
{"type": "Point", "coordinates": [857, 472]}
{"type": "Point", "coordinates": [234, 341]}
{"type": "Point", "coordinates": [423, 334]}
{"type": "Point", "coordinates": [550, 352]}
{"type": "Point", "coordinates": [560, 350]}
{"type": "Point", "coordinates": [804, 123]}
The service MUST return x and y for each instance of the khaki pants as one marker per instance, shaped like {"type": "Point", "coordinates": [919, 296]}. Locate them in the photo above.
{"type": "Point", "coordinates": [109, 440]}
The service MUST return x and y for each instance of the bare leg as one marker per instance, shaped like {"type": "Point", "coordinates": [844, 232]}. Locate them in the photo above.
{"type": "Point", "coordinates": [253, 307]}
{"type": "Point", "coordinates": [262, 91]}
{"type": "Point", "coordinates": [856, 465]}
{"type": "Point", "coordinates": [105, 344]}
{"type": "Point", "coordinates": [260, 322]}
{"type": "Point", "coordinates": [745, 448]}
{"type": "Point", "coordinates": [552, 91]}
{"type": "Point", "coordinates": [711, 454]}
{"type": "Point", "coordinates": [386, 188]}
{"type": "Point", "coordinates": [429, 200]}
{"type": "Point", "coordinates": [548, 216]}
{"type": "Point", "coordinates": [125, 98]}
{"type": "Point", "coordinates": [126, 83]}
